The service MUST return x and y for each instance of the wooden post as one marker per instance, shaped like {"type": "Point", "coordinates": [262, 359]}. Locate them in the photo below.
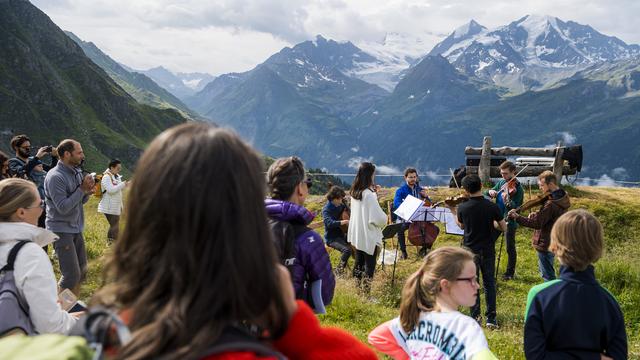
{"type": "Point", "coordinates": [485, 160]}
{"type": "Point", "coordinates": [558, 163]}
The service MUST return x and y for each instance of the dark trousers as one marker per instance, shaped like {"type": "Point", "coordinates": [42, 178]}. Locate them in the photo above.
{"type": "Point", "coordinates": [401, 240]}
{"type": "Point", "coordinates": [114, 226]}
{"type": "Point", "coordinates": [485, 260]}
{"type": "Point", "coordinates": [512, 256]}
{"type": "Point", "coordinates": [364, 268]}
{"type": "Point", "coordinates": [341, 245]}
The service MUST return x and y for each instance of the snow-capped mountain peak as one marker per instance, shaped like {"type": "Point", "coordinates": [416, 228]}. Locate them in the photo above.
{"type": "Point", "coordinates": [530, 52]}
{"type": "Point", "coordinates": [469, 29]}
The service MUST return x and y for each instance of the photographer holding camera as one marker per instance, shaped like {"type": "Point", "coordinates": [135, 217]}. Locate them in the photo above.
{"type": "Point", "coordinates": [66, 190]}
{"type": "Point", "coordinates": [23, 163]}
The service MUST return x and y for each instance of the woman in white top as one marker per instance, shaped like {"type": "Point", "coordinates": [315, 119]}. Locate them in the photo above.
{"type": "Point", "coordinates": [111, 203]}
{"type": "Point", "coordinates": [365, 224]}
{"type": "Point", "coordinates": [430, 325]}
{"type": "Point", "coordinates": [20, 207]}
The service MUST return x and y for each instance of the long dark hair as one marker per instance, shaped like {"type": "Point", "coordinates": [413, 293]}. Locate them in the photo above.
{"type": "Point", "coordinates": [196, 254]}
{"type": "Point", "coordinates": [363, 180]}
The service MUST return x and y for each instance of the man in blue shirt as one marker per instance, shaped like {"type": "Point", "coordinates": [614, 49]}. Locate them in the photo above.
{"type": "Point", "coordinates": [413, 188]}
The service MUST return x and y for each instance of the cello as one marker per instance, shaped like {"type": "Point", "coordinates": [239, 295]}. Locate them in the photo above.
{"type": "Point", "coordinates": [423, 233]}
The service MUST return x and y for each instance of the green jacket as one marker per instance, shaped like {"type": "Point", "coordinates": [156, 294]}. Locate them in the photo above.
{"type": "Point", "coordinates": [516, 200]}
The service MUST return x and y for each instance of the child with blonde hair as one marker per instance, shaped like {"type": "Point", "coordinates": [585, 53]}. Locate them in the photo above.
{"type": "Point", "coordinates": [574, 316]}
{"type": "Point", "coordinates": [430, 325]}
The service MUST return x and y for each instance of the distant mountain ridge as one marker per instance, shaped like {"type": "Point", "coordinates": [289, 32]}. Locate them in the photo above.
{"type": "Point", "coordinates": [50, 90]}
{"type": "Point", "coordinates": [311, 100]}
{"type": "Point", "coordinates": [182, 85]}
{"type": "Point", "coordinates": [138, 85]}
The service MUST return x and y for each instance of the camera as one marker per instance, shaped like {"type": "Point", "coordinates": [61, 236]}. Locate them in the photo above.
{"type": "Point", "coordinates": [48, 148]}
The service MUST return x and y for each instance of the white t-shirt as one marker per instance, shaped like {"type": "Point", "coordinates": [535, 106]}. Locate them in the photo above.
{"type": "Point", "coordinates": [441, 335]}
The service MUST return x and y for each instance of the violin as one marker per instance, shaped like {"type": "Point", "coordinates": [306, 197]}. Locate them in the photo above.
{"type": "Point", "coordinates": [452, 201]}
{"type": "Point", "coordinates": [538, 200]}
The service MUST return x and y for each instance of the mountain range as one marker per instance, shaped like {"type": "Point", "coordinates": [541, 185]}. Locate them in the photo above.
{"type": "Point", "coordinates": [50, 90]}
{"type": "Point", "coordinates": [182, 85]}
{"type": "Point", "coordinates": [334, 103]}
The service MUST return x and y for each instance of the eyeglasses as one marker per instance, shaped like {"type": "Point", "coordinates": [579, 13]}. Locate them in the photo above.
{"type": "Point", "coordinates": [25, 147]}
{"type": "Point", "coordinates": [472, 280]}
{"type": "Point", "coordinates": [42, 205]}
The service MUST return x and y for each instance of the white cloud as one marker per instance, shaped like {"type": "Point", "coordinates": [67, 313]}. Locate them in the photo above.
{"type": "Point", "coordinates": [605, 180]}
{"type": "Point", "coordinates": [355, 162]}
{"type": "Point", "coordinates": [567, 138]}
{"type": "Point", "coordinates": [387, 170]}
{"type": "Point", "coordinates": [620, 173]}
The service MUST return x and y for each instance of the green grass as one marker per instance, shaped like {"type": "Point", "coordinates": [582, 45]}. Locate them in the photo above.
{"type": "Point", "coordinates": [619, 271]}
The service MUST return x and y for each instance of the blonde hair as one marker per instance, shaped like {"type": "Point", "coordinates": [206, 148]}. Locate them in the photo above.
{"type": "Point", "coordinates": [576, 238]}
{"type": "Point", "coordinates": [421, 289]}
{"type": "Point", "coordinates": [15, 194]}
{"type": "Point", "coordinates": [548, 176]}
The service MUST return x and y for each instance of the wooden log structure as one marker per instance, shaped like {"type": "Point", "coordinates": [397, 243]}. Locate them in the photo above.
{"type": "Point", "coordinates": [485, 160]}
{"type": "Point", "coordinates": [531, 170]}
{"type": "Point", "coordinates": [513, 151]}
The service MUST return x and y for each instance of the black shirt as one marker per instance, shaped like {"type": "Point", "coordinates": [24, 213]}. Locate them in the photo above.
{"type": "Point", "coordinates": [477, 215]}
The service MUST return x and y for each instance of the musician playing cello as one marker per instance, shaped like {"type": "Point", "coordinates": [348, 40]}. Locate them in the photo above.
{"type": "Point", "coordinates": [509, 194]}
{"type": "Point", "coordinates": [413, 188]}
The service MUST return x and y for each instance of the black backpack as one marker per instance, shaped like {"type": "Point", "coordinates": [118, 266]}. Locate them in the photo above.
{"type": "Point", "coordinates": [284, 239]}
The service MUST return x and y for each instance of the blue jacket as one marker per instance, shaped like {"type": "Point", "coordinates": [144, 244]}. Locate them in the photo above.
{"type": "Point", "coordinates": [331, 218]}
{"type": "Point", "coordinates": [573, 317]}
{"type": "Point", "coordinates": [312, 261]}
{"type": "Point", "coordinates": [402, 193]}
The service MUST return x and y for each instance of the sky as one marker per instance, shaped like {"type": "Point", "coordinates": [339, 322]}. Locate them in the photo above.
{"type": "Point", "coordinates": [222, 36]}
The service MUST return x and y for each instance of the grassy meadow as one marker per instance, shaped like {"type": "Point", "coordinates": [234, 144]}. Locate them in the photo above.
{"type": "Point", "coordinates": [619, 270]}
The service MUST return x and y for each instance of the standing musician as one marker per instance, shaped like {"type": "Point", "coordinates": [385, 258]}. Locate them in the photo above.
{"type": "Point", "coordinates": [413, 188]}
{"type": "Point", "coordinates": [509, 194]}
{"type": "Point", "coordinates": [334, 225]}
{"type": "Point", "coordinates": [555, 202]}
{"type": "Point", "coordinates": [476, 216]}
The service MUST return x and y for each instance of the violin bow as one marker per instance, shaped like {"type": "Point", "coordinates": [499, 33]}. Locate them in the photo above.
{"type": "Point", "coordinates": [454, 178]}
{"type": "Point", "coordinates": [513, 178]}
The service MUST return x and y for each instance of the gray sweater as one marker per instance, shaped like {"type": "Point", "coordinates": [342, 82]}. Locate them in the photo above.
{"type": "Point", "coordinates": [64, 199]}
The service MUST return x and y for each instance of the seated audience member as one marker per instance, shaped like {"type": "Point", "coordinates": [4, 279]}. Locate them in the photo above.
{"type": "Point", "coordinates": [309, 263]}
{"type": "Point", "coordinates": [194, 274]}
{"type": "Point", "coordinates": [20, 207]}
{"type": "Point", "coordinates": [430, 325]}
{"type": "Point", "coordinates": [334, 234]}
{"type": "Point", "coordinates": [574, 316]}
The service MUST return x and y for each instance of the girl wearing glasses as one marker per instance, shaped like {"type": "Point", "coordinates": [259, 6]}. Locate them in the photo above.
{"type": "Point", "coordinates": [430, 325]}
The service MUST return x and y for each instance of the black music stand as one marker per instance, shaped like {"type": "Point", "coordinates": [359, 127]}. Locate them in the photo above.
{"type": "Point", "coordinates": [388, 233]}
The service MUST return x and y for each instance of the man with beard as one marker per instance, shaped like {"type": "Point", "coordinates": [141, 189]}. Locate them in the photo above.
{"type": "Point", "coordinates": [21, 165]}
{"type": "Point", "coordinates": [66, 190]}
{"type": "Point", "coordinates": [413, 188]}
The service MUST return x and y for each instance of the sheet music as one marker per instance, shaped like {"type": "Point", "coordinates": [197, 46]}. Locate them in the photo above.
{"type": "Point", "coordinates": [450, 224]}
{"type": "Point", "coordinates": [408, 207]}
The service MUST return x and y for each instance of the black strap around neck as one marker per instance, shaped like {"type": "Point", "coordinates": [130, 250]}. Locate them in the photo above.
{"type": "Point", "coordinates": [13, 254]}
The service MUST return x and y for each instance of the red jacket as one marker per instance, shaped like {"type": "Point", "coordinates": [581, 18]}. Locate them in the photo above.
{"type": "Point", "coordinates": [306, 339]}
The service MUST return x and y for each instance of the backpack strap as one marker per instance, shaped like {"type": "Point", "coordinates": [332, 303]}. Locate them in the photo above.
{"type": "Point", "coordinates": [11, 259]}
{"type": "Point", "coordinates": [234, 339]}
